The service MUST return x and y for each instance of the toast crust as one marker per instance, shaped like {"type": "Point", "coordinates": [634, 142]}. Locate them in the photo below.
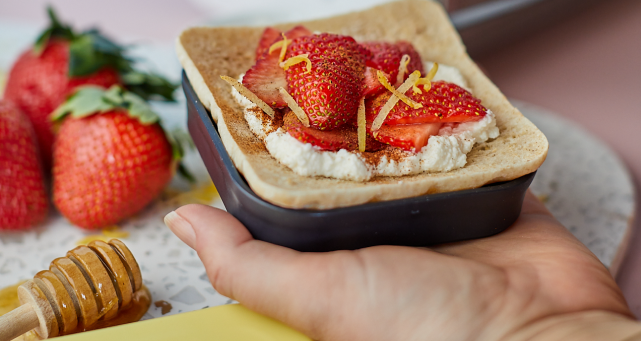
{"type": "Point", "coordinates": [206, 53]}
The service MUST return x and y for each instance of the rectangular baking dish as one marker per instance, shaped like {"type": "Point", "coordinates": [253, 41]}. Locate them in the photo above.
{"type": "Point", "coordinates": [418, 221]}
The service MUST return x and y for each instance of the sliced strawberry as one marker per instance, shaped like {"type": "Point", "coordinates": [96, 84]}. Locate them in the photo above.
{"type": "Point", "coordinates": [387, 57]}
{"type": "Point", "coordinates": [265, 77]}
{"type": "Point", "coordinates": [345, 137]}
{"type": "Point", "coordinates": [372, 86]}
{"type": "Point", "coordinates": [411, 137]}
{"type": "Point", "coordinates": [331, 91]}
{"type": "Point", "coordinates": [297, 32]}
{"type": "Point", "coordinates": [384, 56]}
{"type": "Point", "coordinates": [416, 63]}
{"type": "Point", "coordinates": [445, 102]}
{"type": "Point", "coordinates": [270, 35]}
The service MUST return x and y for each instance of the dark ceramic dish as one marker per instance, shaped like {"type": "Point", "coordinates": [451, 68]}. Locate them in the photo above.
{"type": "Point", "coordinates": [419, 221]}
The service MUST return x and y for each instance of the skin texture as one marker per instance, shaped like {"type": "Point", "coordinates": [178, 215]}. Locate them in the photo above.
{"type": "Point", "coordinates": [524, 283]}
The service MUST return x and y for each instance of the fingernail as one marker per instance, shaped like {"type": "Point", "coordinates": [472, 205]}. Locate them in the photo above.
{"type": "Point", "coordinates": [181, 228]}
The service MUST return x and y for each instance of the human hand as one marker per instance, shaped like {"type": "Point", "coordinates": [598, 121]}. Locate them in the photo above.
{"type": "Point", "coordinates": [534, 281]}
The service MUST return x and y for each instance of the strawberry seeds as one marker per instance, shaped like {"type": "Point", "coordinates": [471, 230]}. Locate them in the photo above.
{"type": "Point", "coordinates": [323, 77]}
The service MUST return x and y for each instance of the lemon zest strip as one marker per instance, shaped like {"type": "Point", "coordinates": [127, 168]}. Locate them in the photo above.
{"type": "Point", "coordinates": [361, 125]}
{"type": "Point", "coordinates": [291, 102]}
{"type": "Point", "coordinates": [249, 95]}
{"type": "Point", "coordinates": [295, 60]}
{"type": "Point", "coordinates": [383, 80]}
{"type": "Point", "coordinates": [283, 47]}
{"type": "Point", "coordinates": [402, 69]}
{"type": "Point", "coordinates": [382, 115]}
{"type": "Point", "coordinates": [426, 81]}
{"type": "Point", "coordinates": [275, 46]}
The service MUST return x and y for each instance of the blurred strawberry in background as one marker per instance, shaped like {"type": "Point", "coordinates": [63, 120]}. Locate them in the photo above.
{"type": "Point", "coordinates": [23, 201]}
{"type": "Point", "coordinates": [60, 61]}
{"type": "Point", "coordinates": [111, 156]}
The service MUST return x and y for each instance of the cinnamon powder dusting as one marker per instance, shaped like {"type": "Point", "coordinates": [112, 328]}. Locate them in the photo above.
{"type": "Point", "coordinates": [392, 154]}
{"type": "Point", "coordinates": [269, 124]}
{"type": "Point", "coordinates": [371, 158]}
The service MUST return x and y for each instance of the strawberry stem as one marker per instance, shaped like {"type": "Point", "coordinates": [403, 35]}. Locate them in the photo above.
{"type": "Point", "coordinates": [55, 30]}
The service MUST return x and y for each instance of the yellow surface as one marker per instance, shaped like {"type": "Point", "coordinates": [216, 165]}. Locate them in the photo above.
{"type": "Point", "coordinates": [200, 194]}
{"type": "Point", "coordinates": [9, 298]}
{"type": "Point", "coordinates": [228, 322]}
{"type": "Point", "coordinates": [9, 301]}
{"type": "Point", "coordinates": [106, 234]}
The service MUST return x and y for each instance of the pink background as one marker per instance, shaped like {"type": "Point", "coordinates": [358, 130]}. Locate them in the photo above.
{"type": "Point", "coordinates": [587, 69]}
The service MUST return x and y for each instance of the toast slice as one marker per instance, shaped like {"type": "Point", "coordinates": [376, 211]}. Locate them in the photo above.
{"type": "Point", "coordinates": [206, 53]}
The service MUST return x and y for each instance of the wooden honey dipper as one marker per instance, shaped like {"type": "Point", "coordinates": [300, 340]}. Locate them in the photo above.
{"type": "Point", "coordinates": [92, 283]}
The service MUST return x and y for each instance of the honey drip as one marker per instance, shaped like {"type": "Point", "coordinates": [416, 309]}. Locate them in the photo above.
{"type": "Point", "coordinates": [164, 306]}
{"type": "Point", "coordinates": [140, 303]}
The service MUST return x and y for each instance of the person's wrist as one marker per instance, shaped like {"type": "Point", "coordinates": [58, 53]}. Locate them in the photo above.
{"type": "Point", "coordinates": [584, 326]}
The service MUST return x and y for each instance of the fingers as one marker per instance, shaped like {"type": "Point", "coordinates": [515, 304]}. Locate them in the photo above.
{"type": "Point", "coordinates": [264, 277]}
{"type": "Point", "coordinates": [235, 262]}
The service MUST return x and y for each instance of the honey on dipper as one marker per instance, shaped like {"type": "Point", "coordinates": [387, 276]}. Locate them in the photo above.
{"type": "Point", "coordinates": [94, 286]}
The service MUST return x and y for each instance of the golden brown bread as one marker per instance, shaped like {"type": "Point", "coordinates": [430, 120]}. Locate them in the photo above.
{"type": "Point", "coordinates": [206, 53]}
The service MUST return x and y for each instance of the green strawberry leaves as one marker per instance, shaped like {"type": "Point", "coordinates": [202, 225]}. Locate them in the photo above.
{"type": "Point", "coordinates": [86, 101]}
{"type": "Point", "coordinates": [56, 29]}
{"type": "Point", "coordinates": [90, 51]}
{"type": "Point", "coordinates": [178, 140]}
{"type": "Point", "coordinates": [90, 100]}
{"type": "Point", "coordinates": [147, 84]}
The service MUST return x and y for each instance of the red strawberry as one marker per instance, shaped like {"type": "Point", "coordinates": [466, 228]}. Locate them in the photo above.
{"type": "Point", "coordinates": [372, 86]}
{"type": "Point", "coordinates": [62, 60]}
{"type": "Point", "coordinates": [416, 63]}
{"type": "Point", "coordinates": [411, 137]}
{"type": "Point", "coordinates": [444, 102]}
{"type": "Point", "coordinates": [37, 84]}
{"type": "Point", "coordinates": [269, 36]}
{"type": "Point", "coordinates": [23, 201]}
{"type": "Point", "coordinates": [344, 137]}
{"type": "Point", "coordinates": [330, 93]}
{"type": "Point", "coordinates": [387, 57]}
{"type": "Point", "coordinates": [265, 77]}
{"type": "Point", "coordinates": [109, 165]}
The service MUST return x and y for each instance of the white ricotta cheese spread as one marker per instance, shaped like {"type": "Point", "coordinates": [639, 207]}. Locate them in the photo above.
{"type": "Point", "coordinates": [444, 152]}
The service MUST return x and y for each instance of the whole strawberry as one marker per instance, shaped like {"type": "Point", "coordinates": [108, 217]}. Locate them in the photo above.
{"type": "Point", "coordinates": [60, 61]}
{"type": "Point", "coordinates": [330, 91]}
{"type": "Point", "coordinates": [23, 202]}
{"type": "Point", "coordinates": [111, 157]}
{"type": "Point", "coordinates": [38, 83]}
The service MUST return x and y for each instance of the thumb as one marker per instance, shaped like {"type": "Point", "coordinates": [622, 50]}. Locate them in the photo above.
{"type": "Point", "coordinates": [264, 277]}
